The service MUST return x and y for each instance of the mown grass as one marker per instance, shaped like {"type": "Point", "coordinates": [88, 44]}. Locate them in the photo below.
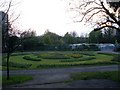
{"type": "Point", "coordinates": [116, 58]}
{"type": "Point", "coordinates": [110, 75]}
{"type": "Point", "coordinates": [61, 59]}
{"type": "Point", "coordinates": [15, 80]}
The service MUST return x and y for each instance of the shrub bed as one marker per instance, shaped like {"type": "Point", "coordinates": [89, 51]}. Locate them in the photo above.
{"type": "Point", "coordinates": [53, 56]}
{"type": "Point", "coordinates": [80, 59]}
{"type": "Point", "coordinates": [17, 65]}
{"type": "Point", "coordinates": [73, 64]}
{"type": "Point", "coordinates": [75, 55]}
{"type": "Point", "coordinates": [31, 58]}
{"type": "Point", "coordinates": [106, 53]}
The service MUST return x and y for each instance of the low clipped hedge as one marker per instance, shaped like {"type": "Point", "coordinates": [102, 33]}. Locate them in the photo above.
{"type": "Point", "coordinates": [105, 53]}
{"type": "Point", "coordinates": [75, 55]}
{"type": "Point", "coordinates": [55, 65]}
{"type": "Point", "coordinates": [80, 59]}
{"type": "Point", "coordinates": [17, 65]}
{"type": "Point", "coordinates": [72, 64]}
{"type": "Point", "coordinates": [53, 56]}
{"type": "Point", "coordinates": [31, 58]}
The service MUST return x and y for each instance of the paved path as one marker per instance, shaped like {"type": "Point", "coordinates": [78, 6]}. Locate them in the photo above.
{"type": "Point", "coordinates": [54, 78]}
{"type": "Point", "coordinates": [63, 70]}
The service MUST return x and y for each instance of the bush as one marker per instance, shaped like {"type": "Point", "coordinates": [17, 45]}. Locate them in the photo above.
{"type": "Point", "coordinates": [31, 58]}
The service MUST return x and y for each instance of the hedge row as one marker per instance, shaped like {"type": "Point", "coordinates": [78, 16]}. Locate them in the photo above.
{"type": "Point", "coordinates": [72, 64]}
{"type": "Point", "coordinates": [75, 55]}
{"type": "Point", "coordinates": [31, 58]}
{"type": "Point", "coordinates": [76, 60]}
{"type": "Point", "coordinates": [53, 56]}
{"type": "Point", "coordinates": [17, 65]}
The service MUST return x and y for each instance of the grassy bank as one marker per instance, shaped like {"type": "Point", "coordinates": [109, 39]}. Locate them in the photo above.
{"type": "Point", "coordinates": [110, 75]}
{"type": "Point", "coordinates": [15, 80]}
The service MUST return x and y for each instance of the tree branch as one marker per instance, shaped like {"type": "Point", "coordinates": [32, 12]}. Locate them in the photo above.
{"type": "Point", "coordinates": [111, 15]}
{"type": "Point", "coordinates": [97, 29]}
{"type": "Point", "coordinates": [9, 6]}
{"type": "Point", "coordinates": [94, 14]}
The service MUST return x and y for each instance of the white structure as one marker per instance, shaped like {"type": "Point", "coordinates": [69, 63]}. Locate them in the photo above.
{"type": "Point", "coordinates": [106, 47]}
{"type": "Point", "coordinates": [3, 29]}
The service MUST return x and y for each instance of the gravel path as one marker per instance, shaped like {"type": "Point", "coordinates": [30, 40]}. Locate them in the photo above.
{"type": "Point", "coordinates": [54, 78]}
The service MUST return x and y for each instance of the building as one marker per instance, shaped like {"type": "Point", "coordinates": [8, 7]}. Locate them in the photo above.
{"type": "Point", "coordinates": [3, 28]}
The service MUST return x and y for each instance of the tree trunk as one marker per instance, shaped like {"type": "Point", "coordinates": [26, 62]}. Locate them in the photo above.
{"type": "Point", "coordinates": [8, 56]}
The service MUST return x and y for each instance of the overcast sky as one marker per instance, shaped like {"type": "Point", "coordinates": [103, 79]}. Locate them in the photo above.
{"type": "Point", "coordinates": [53, 15]}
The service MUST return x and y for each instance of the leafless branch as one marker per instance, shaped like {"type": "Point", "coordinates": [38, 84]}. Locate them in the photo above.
{"type": "Point", "coordinates": [94, 14]}
{"type": "Point", "coordinates": [15, 18]}
{"type": "Point", "coordinates": [92, 9]}
{"type": "Point", "coordinates": [89, 11]}
{"type": "Point", "coordinates": [110, 14]}
{"type": "Point", "coordinates": [9, 6]}
{"type": "Point", "coordinates": [97, 29]}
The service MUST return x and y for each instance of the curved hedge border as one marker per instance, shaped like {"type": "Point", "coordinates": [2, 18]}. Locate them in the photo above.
{"type": "Point", "coordinates": [75, 55]}
{"type": "Point", "coordinates": [53, 56]}
{"type": "Point", "coordinates": [72, 64]}
{"type": "Point", "coordinates": [31, 58]}
{"type": "Point", "coordinates": [76, 60]}
{"type": "Point", "coordinates": [17, 65]}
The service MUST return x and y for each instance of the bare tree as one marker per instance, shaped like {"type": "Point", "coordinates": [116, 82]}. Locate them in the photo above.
{"type": "Point", "coordinates": [98, 12]}
{"type": "Point", "coordinates": [12, 37]}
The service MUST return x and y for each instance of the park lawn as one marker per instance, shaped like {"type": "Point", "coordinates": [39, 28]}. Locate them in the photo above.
{"type": "Point", "coordinates": [110, 75]}
{"type": "Point", "coordinates": [15, 80]}
{"type": "Point", "coordinates": [55, 61]}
